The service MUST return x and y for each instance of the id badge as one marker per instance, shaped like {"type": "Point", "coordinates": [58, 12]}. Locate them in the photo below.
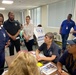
{"type": "Point", "coordinates": [4, 35]}
{"type": "Point", "coordinates": [66, 27]}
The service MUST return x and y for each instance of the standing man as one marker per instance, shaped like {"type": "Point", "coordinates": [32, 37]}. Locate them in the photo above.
{"type": "Point", "coordinates": [13, 29]}
{"type": "Point", "coordinates": [74, 32]}
{"type": "Point", "coordinates": [65, 30]}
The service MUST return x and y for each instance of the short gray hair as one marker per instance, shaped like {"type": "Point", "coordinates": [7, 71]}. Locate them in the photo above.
{"type": "Point", "coordinates": [50, 35]}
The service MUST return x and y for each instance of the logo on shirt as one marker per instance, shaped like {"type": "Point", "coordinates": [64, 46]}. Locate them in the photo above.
{"type": "Point", "coordinates": [50, 53]}
{"type": "Point", "coordinates": [15, 24]}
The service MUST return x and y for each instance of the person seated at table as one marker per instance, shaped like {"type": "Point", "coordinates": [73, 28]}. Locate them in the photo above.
{"type": "Point", "coordinates": [50, 49]}
{"type": "Point", "coordinates": [24, 64]}
{"type": "Point", "coordinates": [68, 59]}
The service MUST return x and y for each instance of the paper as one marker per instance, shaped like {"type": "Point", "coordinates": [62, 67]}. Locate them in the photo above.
{"type": "Point", "coordinates": [48, 68]}
{"type": "Point", "coordinates": [34, 54]}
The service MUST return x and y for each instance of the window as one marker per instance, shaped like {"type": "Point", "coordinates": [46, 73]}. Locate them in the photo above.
{"type": "Point", "coordinates": [36, 15]}
{"type": "Point", "coordinates": [57, 12]}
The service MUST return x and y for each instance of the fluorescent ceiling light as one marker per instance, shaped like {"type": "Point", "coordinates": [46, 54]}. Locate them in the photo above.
{"type": "Point", "coordinates": [2, 8]}
{"type": "Point", "coordinates": [7, 2]}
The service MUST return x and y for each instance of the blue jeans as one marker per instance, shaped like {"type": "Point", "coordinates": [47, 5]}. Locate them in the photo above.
{"type": "Point", "coordinates": [64, 40]}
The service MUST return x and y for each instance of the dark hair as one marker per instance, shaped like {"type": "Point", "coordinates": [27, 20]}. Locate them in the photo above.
{"type": "Point", "coordinates": [1, 15]}
{"type": "Point", "coordinates": [28, 17]}
{"type": "Point", "coordinates": [70, 15]}
{"type": "Point", "coordinates": [10, 13]}
{"type": "Point", "coordinates": [39, 25]}
{"type": "Point", "coordinates": [50, 35]}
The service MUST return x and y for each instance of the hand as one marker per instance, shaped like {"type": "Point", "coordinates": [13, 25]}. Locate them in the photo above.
{"type": "Point", "coordinates": [7, 44]}
{"type": "Point", "coordinates": [39, 59]}
{"type": "Point", "coordinates": [26, 38]}
{"type": "Point", "coordinates": [59, 72]}
{"type": "Point", "coordinates": [64, 73]}
{"type": "Point", "coordinates": [37, 56]}
{"type": "Point", "coordinates": [13, 37]}
{"type": "Point", "coordinates": [71, 32]}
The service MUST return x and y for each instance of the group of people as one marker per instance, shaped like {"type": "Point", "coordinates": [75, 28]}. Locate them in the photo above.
{"type": "Point", "coordinates": [9, 36]}
{"type": "Point", "coordinates": [25, 63]}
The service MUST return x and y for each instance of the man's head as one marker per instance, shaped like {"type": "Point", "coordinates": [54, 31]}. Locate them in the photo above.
{"type": "Point", "coordinates": [11, 16]}
{"type": "Point", "coordinates": [1, 19]}
{"type": "Point", "coordinates": [48, 37]}
{"type": "Point", "coordinates": [69, 16]}
{"type": "Point", "coordinates": [28, 19]}
{"type": "Point", "coordinates": [71, 46]}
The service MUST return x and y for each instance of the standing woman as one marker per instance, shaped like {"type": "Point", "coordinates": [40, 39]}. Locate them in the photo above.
{"type": "Point", "coordinates": [28, 30]}
{"type": "Point", "coordinates": [3, 41]}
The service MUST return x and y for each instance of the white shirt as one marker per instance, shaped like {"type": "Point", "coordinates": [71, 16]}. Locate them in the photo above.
{"type": "Point", "coordinates": [4, 73]}
{"type": "Point", "coordinates": [29, 30]}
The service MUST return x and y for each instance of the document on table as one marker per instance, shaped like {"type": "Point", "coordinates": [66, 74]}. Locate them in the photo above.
{"type": "Point", "coordinates": [48, 68]}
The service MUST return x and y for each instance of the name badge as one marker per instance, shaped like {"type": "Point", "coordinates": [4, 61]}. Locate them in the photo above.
{"type": "Point", "coordinates": [4, 35]}
{"type": "Point", "coordinates": [66, 27]}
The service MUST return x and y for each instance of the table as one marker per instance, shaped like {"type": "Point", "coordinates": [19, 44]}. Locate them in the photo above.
{"type": "Point", "coordinates": [9, 59]}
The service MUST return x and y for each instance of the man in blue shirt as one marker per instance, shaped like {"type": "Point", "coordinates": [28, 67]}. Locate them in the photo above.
{"type": "Point", "coordinates": [50, 49]}
{"type": "Point", "coordinates": [65, 30]}
{"type": "Point", "coordinates": [68, 58]}
{"type": "Point", "coordinates": [74, 31]}
{"type": "Point", "coordinates": [3, 41]}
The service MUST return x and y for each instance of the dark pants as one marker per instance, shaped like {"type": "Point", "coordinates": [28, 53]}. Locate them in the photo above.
{"type": "Point", "coordinates": [15, 43]}
{"type": "Point", "coordinates": [2, 61]}
{"type": "Point", "coordinates": [64, 40]}
{"type": "Point", "coordinates": [29, 44]}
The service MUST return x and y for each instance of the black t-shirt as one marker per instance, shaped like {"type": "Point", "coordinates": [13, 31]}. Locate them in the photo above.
{"type": "Point", "coordinates": [53, 50]}
{"type": "Point", "coordinates": [11, 27]}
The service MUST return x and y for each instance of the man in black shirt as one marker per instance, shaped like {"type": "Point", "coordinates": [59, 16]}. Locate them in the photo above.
{"type": "Point", "coordinates": [12, 28]}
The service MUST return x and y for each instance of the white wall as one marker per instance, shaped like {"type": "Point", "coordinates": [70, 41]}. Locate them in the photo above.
{"type": "Point", "coordinates": [16, 13]}
{"type": "Point", "coordinates": [44, 22]}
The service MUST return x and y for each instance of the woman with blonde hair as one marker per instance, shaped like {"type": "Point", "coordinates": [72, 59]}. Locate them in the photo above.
{"type": "Point", "coordinates": [24, 64]}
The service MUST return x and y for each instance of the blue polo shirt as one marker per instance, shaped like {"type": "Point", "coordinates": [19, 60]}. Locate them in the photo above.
{"type": "Point", "coordinates": [74, 30]}
{"type": "Point", "coordinates": [70, 64]}
{"type": "Point", "coordinates": [3, 39]}
{"type": "Point", "coordinates": [53, 50]}
{"type": "Point", "coordinates": [66, 26]}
